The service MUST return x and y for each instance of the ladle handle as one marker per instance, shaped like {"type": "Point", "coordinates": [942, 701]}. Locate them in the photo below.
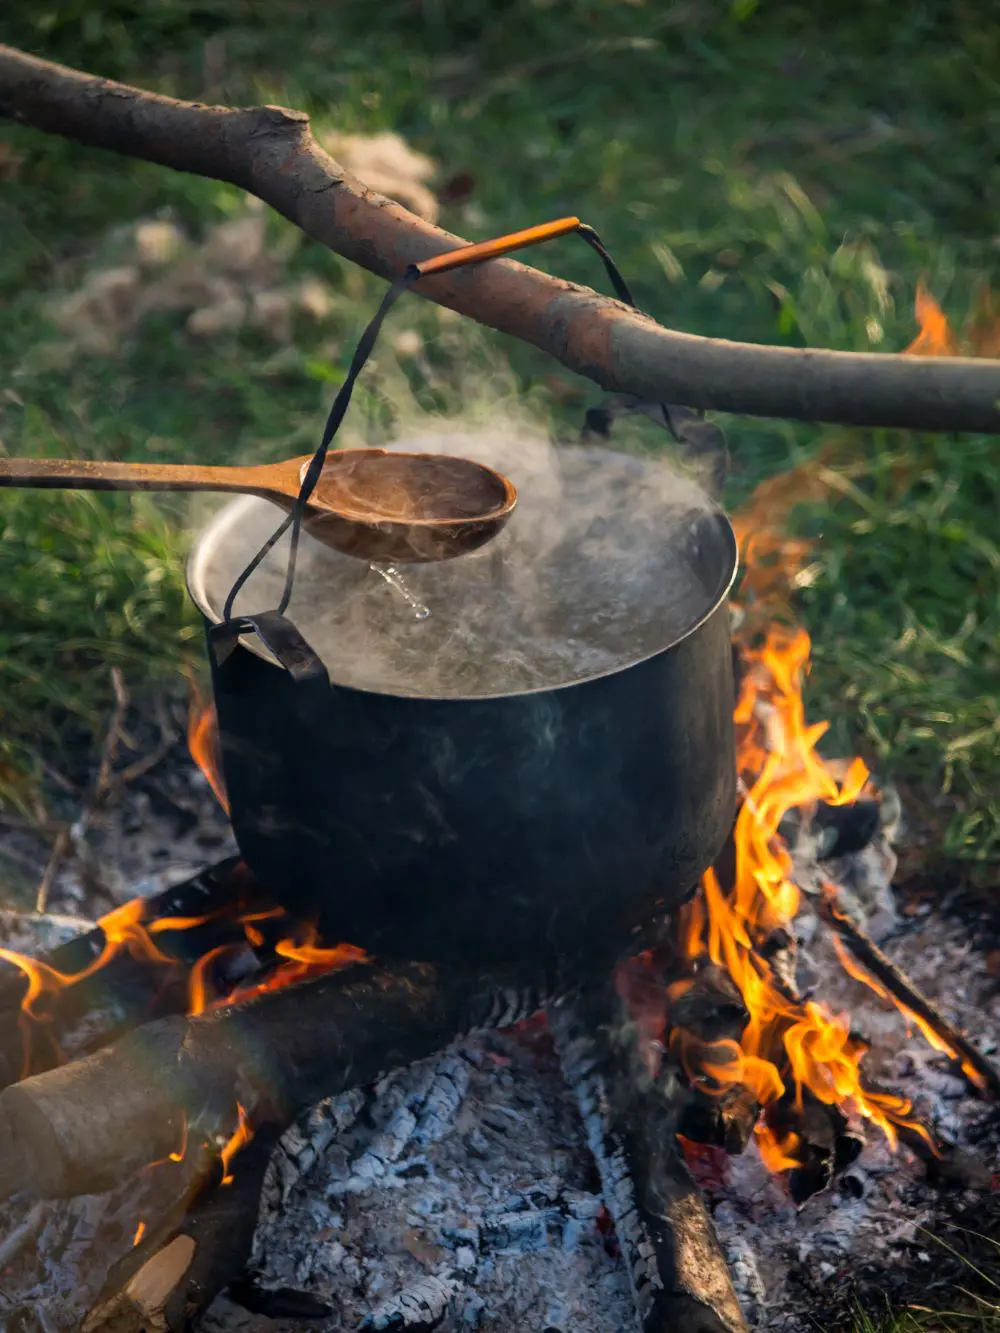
{"type": "Point", "coordinates": [502, 245]}
{"type": "Point", "coordinates": [99, 475]}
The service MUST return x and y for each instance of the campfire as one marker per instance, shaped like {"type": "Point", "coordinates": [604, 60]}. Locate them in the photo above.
{"type": "Point", "coordinates": [167, 1051]}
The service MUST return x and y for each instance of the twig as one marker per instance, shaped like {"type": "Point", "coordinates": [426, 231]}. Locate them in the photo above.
{"type": "Point", "coordinates": [12, 1244]}
{"type": "Point", "coordinates": [73, 837]}
{"type": "Point", "coordinates": [60, 848]}
{"type": "Point", "coordinates": [270, 151]}
{"type": "Point", "coordinates": [980, 1071]}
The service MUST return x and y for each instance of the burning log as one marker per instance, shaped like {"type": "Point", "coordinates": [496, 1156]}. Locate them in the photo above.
{"type": "Point", "coordinates": [100, 984]}
{"type": "Point", "coordinates": [723, 1121]}
{"type": "Point", "coordinates": [891, 982]}
{"type": "Point", "coordinates": [820, 1133]}
{"type": "Point", "coordinates": [200, 1246]}
{"type": "Point", "coordinates": [271, 151]}
{"type": "Point", "coordinates": [709, 1009]}
{"type": "Point", "coordinates": [87, 1126]}
{"type": "Point", "coordinates": [677, 1269]}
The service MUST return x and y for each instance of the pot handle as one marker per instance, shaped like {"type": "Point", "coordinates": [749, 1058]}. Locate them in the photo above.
{"type": "Point", "coordinates": [703, 439]}
{"type": "Point", "coordinates": [280, 636]}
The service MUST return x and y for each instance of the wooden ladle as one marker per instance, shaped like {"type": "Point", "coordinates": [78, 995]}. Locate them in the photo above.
{"type": "Point", "coordinates": [375, 504]}
{"type": "Point", "coordinates": [369, 503]}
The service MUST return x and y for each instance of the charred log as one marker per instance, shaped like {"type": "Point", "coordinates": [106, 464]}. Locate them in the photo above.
{"type": "Point", "coordinates": [724, 1121]}
{"type": "Point", "coordinates": [200, 1246]}
{"type": "Point", "coordinates": [677, 1269]}
{"type": "Point", "coordinates": [127, 990]}
{"type": "Point", "coordinates": [817, 1129]}
{"type": "Point", "coordinates": [89, 1125]}
{"type": "Point", "coordinates": [845, 829]}
{"type": "Point", "coordinates": [710, 1008]}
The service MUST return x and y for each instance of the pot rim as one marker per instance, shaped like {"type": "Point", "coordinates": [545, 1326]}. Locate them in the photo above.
{"type": "Point", "coordinates": [217, 528]}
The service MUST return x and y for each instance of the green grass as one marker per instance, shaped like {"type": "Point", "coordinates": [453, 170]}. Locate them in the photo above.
{"type": "Point", "coordinates": [776, 172]}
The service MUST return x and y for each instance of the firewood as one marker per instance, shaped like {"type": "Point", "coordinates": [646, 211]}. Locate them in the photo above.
{"type": "Point", "coordinates": [980, 1071]}
{"type": "Point", "coordinates": [89, 1125]}
{"type": "Point", "coordinates": [270, 151]}
{"type": "Point", "coordinates": [725, 1120]}
{"type": "Point", "coordinates": [128, 990]}
{"type": "Point", "coordinates": [200, 1246]}
{"type": "Point", "coordinates": [677, 1269]}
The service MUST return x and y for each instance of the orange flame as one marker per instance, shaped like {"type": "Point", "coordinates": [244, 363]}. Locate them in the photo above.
{"type": "Point", "coordinates": [123, 930]}
{"type": "Point", "coordinates": [239, 1139]}
{"type": "Point", "coordinates": [935, 337]}
{"type": "Point", "coordinates": [980, 334]}
{"type": "Point", "coordinates": [203, 742]}
{"type": "Point", "coordinates": [140, 1231]}
{"type": "Point", "coordinates": [305, 959]}
{"type": "Point", "coordinates": [788, 1045]}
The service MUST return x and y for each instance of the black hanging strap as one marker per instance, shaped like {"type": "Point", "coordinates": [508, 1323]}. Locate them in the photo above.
{"type": "Point", "coordinates": [622, 290]}
{"type": "Point", "coordinates": [337, 412]}
{"type": "Point", "coordinates": [363, 351]}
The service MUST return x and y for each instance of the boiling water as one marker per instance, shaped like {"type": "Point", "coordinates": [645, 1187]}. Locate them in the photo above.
{"type": "Point", "coordinates": [599, 566]}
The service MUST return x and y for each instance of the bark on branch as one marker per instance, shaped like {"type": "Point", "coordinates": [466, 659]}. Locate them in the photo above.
{"type": "Point", "coordinates": [270, 152]}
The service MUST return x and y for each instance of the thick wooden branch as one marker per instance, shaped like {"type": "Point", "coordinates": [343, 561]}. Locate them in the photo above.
{"type": "Point", "coordinates": [270, 152]}
{"type": "Point", "coordinates": [87, 1126]}
{"type": "Point", "coordinates": [677, 1270]}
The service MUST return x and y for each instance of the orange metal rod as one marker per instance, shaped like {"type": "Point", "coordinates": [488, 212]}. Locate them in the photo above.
{"type": "Point", "coordinates": [502, 245]}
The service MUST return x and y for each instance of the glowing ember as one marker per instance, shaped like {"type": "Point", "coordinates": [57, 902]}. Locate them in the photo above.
{"type": "Point", "coordinates": [140, 1231]}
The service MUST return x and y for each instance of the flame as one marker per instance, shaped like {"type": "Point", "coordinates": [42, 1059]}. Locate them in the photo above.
{"type": "Point", "coordinates": [935, 337]}
{"type": "Point", "coordinates": [304, 959]}
{"type": "Point", "coordinates": [789, 1045]}
{"type": "Point", "coordinates": [180, 1153]}
{"type": "Point", "coordinates": [930, 1035]}
{"type": "Point", "coordinates": [140, 1231]}
{"type": "Point", "coordinates": [239, 1139]}
{"type": "Point", "coordinates": [203, 742]}
{"type": "Point", "coordinates": [980, 334]}
{"type": "Point", "coordinates": [124, 931]}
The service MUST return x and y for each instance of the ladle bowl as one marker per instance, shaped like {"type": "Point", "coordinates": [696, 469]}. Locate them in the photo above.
{"type": "Point", "coordinates": [373, 504]}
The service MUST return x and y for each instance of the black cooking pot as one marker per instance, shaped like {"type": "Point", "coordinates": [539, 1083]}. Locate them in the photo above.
{"type": "Point", "coordinates": [543, 823]}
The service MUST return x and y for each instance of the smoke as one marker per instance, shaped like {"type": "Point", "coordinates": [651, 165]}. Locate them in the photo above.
{"type": "Point", "coordinates": [609, 557]}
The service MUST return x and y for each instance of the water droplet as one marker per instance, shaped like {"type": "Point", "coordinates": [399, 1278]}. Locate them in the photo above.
{"type": "Point", "coordinates": [395, 580]}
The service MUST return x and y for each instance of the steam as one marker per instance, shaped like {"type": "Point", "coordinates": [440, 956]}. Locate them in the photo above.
{"type": "Point", "coordinates": [608, 558]}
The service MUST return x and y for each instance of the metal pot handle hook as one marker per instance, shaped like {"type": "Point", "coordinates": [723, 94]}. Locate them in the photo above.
{"type": "Point", "coordinates": [703, 440]}
{"type": "Point", "coordinates": [282, 639]}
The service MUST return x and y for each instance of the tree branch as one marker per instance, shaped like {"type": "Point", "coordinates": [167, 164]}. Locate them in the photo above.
{"type": "Point", "coordinates": [271, 152]}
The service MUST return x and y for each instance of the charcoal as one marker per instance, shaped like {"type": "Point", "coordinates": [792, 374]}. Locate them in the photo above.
{"type": "Point", "coordinates": [845, 829]}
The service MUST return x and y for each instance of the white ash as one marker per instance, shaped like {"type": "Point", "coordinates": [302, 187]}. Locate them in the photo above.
{"type": "Point", "coordinates": [459, 1196]}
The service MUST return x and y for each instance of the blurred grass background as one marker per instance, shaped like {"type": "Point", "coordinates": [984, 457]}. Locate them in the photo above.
{"type": "Point", "coordinates": [775, 172]}
{"type": "Point", "coordinates": [765, 171]}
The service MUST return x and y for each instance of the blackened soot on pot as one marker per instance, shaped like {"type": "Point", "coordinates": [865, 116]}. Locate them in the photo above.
{"type": "Point", "coordinates": [597, 568]}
